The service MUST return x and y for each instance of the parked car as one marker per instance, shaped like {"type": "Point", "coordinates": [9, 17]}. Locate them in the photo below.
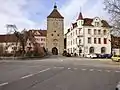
{"type": "Point", "coordinates": [108, 55]}
{"type": "Point", "coordinates": [98, 55]}
{"type": "Point", "coordinates": [116, 58]}
{"type": "Point", "coordinates": [91, 56]}
{"type": "Point", "coordinates": [104, 55]}
{"type": "Point", "coordinates": [68, 55]}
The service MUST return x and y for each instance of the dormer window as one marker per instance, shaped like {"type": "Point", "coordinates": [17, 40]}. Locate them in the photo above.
{"type": "Point", "coordinates": [96, 24]}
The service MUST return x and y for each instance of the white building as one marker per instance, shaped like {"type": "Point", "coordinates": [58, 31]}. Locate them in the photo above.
{"type": "Point", "coordinates": [89, 35]}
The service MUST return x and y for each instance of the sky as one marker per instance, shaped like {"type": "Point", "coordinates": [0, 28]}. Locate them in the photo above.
{"type": "Point", "coordinates": [32, 14]}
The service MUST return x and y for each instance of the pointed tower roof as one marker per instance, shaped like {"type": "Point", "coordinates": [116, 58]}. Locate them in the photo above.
{"type": "Point", "coordinates": [80, 17]}
{"type": "Point", "coordinates": [55, 13]}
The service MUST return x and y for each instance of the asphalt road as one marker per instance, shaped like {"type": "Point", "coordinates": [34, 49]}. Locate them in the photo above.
{"type": "Point", "coordinates": [59, 73]}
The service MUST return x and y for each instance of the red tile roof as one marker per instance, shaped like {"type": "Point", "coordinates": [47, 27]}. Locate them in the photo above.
{"type": "Point", "coordinates": [74, 24]}
{"type": "Point", "coordinates": [88, 22]}
{"type": "Point", "coordinates": [55, 13]}
{"type": "Point", "coordinates": [105, 24]}
{"type": "Point", "coordinates": [8, 38]}
{"type": "Point", "coordinates": [80, 17]}
{"type": "Point", "coordinates": [42, 32]}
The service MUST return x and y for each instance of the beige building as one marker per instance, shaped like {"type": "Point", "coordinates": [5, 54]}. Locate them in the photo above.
{"type": "Point", "coordinates": [39, 37]}
{"type": "Point", "coordinates": [55, 32]}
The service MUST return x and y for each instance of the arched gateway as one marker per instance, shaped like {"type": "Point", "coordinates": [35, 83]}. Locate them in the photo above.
{"type": "Point", "coordinates": [54, 51]}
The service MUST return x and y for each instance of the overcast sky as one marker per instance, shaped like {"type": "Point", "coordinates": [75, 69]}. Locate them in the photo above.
{"type": "Point", "coordinates": [32, 14]}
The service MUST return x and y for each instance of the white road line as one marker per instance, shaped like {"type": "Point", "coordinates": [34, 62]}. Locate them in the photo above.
{"type": "Point", "coordinates": [59, 67]}
{"type": "Point", "coordinates": [99, 70]}
{"type": "Point", "coordinates": [2, 84]}
{"type": "Point", "coordinates": [117, 71]}
{"type": "Point", "coordinates": [107, 70]}
{"type": "Point", "coordinates": [69, 68]}
{"type": "Point", "coordinates": [34, 73]}
{"type": "Point", "coordinates": [83, 69]}
{"type": "Point", "coordinates": [61, 60]}
{"type": "Point", "coordinates": [55, 67]}
{"type": "Point", "coordinates": [91, 70]}
{"type": "Point", "coordinates": [26, 76]}
{"type": "Point", "coordinates": [43, 70]}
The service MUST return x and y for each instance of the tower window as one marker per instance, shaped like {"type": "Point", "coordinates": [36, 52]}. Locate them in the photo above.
{"type": "Point", "coordinates": [51, 34]}
{"type": "Point", "coordinates": [54, 31]}
{"type": "Point", "coordinates": [57, 34]}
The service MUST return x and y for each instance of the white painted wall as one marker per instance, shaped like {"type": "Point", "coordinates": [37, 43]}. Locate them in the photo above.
{"type": "Point", "coordinates": [84, 39]}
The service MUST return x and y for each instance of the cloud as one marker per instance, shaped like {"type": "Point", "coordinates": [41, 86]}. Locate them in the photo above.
{"type": "Point", "coordinates": [71, 10]}
{"type": "Point", "coordinates": [12, 12]}
{"type": "Point", "coordinates": [90, 8]}
{"type": "Point", "coordinates": [33, 13]}
{"type": "Point", "coordinates": [97, 10]}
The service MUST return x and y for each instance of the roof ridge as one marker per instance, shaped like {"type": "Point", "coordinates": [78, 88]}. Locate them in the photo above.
{"type": "Point", "coordinates": [55, 14]}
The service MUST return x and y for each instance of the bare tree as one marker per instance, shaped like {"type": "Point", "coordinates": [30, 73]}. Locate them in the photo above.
{"type": "Point", "coordinates": [22, 39]}
{"type": "Point", "coordinates": [113, 8]}
{"type": "Point", "coordinates": [1, 50]}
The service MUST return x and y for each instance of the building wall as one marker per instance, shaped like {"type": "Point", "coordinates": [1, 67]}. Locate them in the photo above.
{"type": "Point", "coordinates": [41, 40]}
{"type": "Point", "coordinates": [10, 46]}
{"type": "Point", "coordinates": [82, 32]}
{"type": "Point", "coordinates": [55, 34]}
{"type": "Point", "coordinates": [101, 36]}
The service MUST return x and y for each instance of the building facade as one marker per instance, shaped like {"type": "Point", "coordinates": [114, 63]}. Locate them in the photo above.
{"type": "Point", "coordinates": [89, 35]}
{"type": "Point", "coordinates": [55, 32]}
{"type": "Point", "coordinates": [9, 43]}
{"type": "Point", "coordinates": [115, 44]}
{"type": "Point", "coordinates": [39, 37]}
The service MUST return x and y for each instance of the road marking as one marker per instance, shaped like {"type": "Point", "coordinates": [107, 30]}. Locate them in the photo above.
{"type": "Point", "coordinates": [107, 70]}
{"type": "Point", "coordinates": [99, 70]}
{"type": "Point", "coordinates": [34, 73]}
{"type": "Point", "coordinates": [91, 70]}
{"type": "Point", "coordinates": [61, 60]}
{"type": "Point", "coordinates": [55, 67]}
{"type": "Point", "coordinates": [69, 68]}
{"type": "Point", "coordinates": [117, 71]}
{"type": "Point", "coordinates": [83, 69]}
{"type": "Point", "coordinates": [26, 76]}
{"type": "Point", "coordinates": [43, 70]}
{"type": "Point", "coordinates": [59, 67]}
{"type": "Point", "coordinates": [2, 84]}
